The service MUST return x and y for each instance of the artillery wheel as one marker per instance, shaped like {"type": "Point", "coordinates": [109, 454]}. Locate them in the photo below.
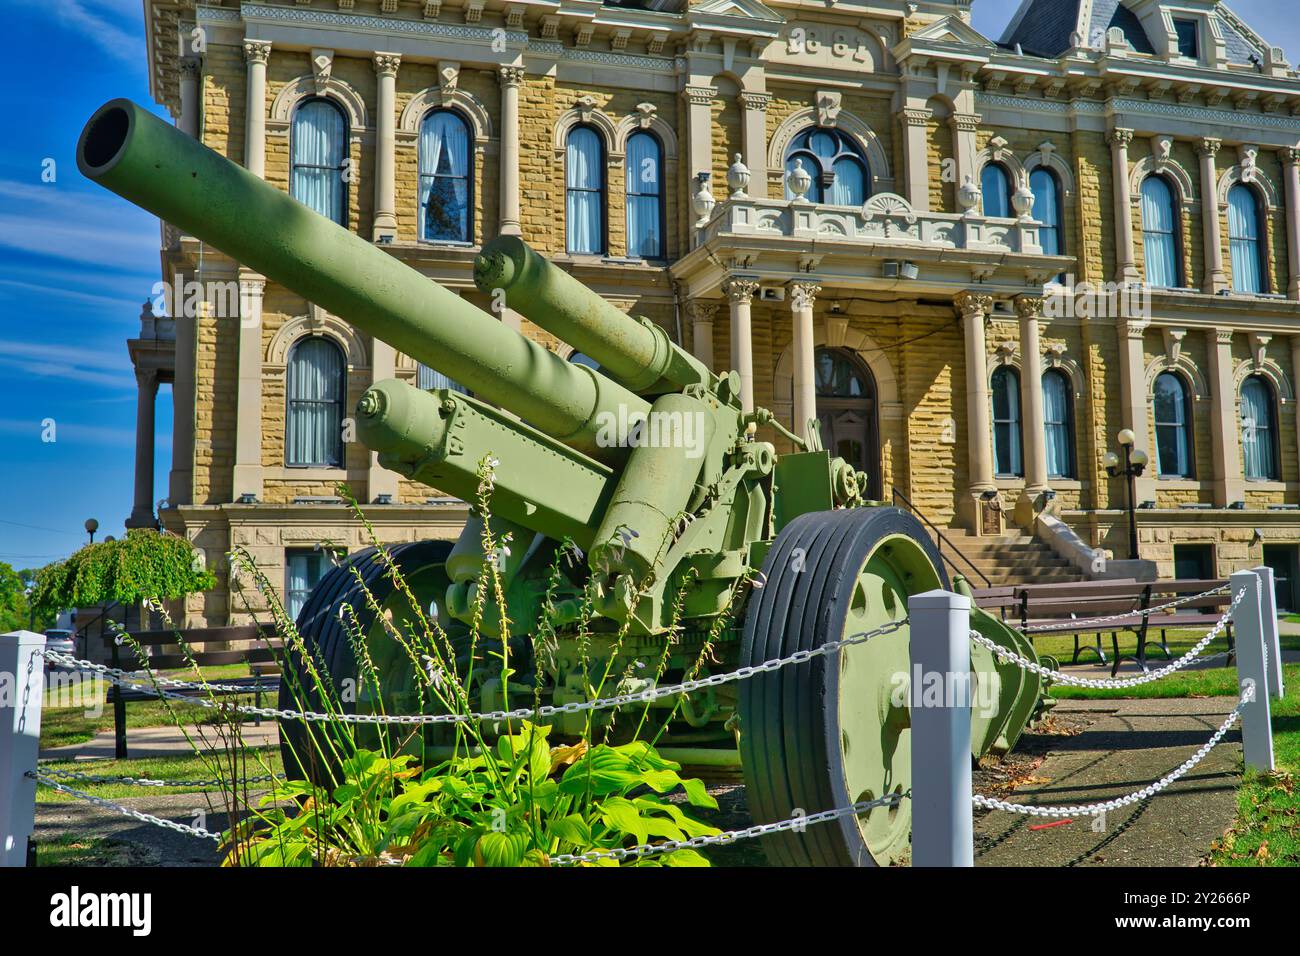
{"type": "Point", "coordinates": [325, 640]}
{"type": "Point", "coordinates": [835, 730]}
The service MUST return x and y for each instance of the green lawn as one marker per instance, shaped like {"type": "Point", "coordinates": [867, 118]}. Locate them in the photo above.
{"type": "Point", "coordinates": [255, 762]}
{"type": "Point", "coordinates": [1267, 831]}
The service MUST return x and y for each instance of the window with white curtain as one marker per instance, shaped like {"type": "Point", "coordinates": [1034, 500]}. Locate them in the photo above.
{"type": "Point", "coordinates": [645, 198]}
{"type": "Point", "coordinates": [1046, 187]}
{"type": "Point", "coordinates": [317, 377]}
{"type": "Point", "coordinates": [584, 200]}
{"type": "Point", "coordinates": [446, 178]}
{"type": "Point", "coordinates": [319, 147]}
{"type": "Point", "coordinates": [1259, 430]}
{"type": "Point", "coordinates": [1006, 422]}
{"type": "Point", "coordinates": [840, 174]}
{"type": "Point", "coordinates": [1160, 225]}
{"type": "Point", "coordinates": [1058, 424]}
{"type": "Point", "coordinates": [303, 569]}
{"type": "Point", "coordinates": [1172, 408]}
{"type": "Point", "coordinates": [1245, 241]}
{"type": "Point", "coordinates": [427, 378]}
{"type": "Point", "coordinates": [995, 185]}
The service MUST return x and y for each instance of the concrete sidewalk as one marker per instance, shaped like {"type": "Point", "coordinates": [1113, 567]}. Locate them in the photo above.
{"type": "Point", "coordinates": [156, 742]}
{"type": "Point", "coordinates": [1112, 749]}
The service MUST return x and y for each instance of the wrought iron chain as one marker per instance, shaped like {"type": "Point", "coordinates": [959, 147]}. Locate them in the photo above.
{"type": "Point", "coordinates": [1144, 612]}
{"type": "Point", "coordinates": [1106, 806]}
{"type": "Point", "coordinates": [1059, 677]}
{"type": "Point", "coordinates": [547, 710]}
{"type": "Point", "coordinates": [149, 782]}
{"type": "Point", "coordinates": [125, 811]}
{"type": "Point", "coordinates": [119, 676]}
{"type": "Point", "coordinates": [730, 836]}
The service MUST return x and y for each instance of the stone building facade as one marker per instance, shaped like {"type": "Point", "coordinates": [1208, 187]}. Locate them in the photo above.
{"type": "Point", "coordinates": [975, 261]}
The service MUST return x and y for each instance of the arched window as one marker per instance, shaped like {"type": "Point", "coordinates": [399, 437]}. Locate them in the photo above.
{"type": "Point", "coordinates": [1173, 417]}
{"type": "Point", "coordinates": [1006, 423]}
{"type": "Point", "coordinates": [1046, 187]}
{"type": "Point", "coordinates": [584, 172]}
{"type": "Point", "coordinates": [846, 412]}
{"type": "Point", "coordinates": [1259, 430]}
{"type": "Point", "coordinates": [1160, 226]}
{"type": "Point", "coordinates": [429, 378]}
{"type": "Point", "coordinates": [1245, 240]}
{"type": "Point", "coordinates": [1058, 424]}
{"type": "Point", "coordinates": [317, 383]}
{"type": "Point", "coordinates": [645, 196]}
{"type": "Point", "coordinates": [446, 178]}
{"type": "Point", "coordinates": [320, 138]}
{"type": "Point", "coordinates": [995, 185]}
{"type": "Point", "coordinates": [840, 174]}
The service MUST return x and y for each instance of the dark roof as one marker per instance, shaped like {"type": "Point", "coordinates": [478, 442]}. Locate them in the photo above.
{"type": "Point", "coordinates": [1045, 28]}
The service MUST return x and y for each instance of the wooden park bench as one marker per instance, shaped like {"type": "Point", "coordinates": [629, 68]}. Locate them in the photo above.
{"type": "Point", "coordinates": [258, 649]}
{"type": "Point", "coordinates": [1039, 609]}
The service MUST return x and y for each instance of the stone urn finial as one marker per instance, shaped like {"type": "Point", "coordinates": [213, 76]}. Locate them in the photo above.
{"type": "Point", "coordinates": [703, 201]}
{"type": "Point", "coordinates": [798, 181]}
{"type": "Point", "coordinates": [969, 196]}
{"type": "Point", "coordinates": [1023, 202]}
{"type": "Point", "coordinates": [738, 177]}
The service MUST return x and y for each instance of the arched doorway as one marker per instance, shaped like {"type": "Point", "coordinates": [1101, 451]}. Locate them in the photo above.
{"type": "Point", "coordinates": [846, 409]}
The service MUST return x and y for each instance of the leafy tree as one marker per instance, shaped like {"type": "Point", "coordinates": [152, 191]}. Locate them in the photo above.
{"type": "Point", "coordinates": [14, 613]}
{"type": "Point", "coordinates": [143, 565]}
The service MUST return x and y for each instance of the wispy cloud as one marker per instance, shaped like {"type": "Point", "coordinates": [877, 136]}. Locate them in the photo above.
{"type": "Point", "coordinates": [69, 363]}
{"type": "Point", "coordinates": [77, 433]}
{"type": "Point", "coordinates": [97, 232]}
{"type": "Point", "coordinates": [112, 25]}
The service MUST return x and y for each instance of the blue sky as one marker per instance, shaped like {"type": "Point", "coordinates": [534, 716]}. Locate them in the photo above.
{"type": "Point", "coordinates": [77, 262]}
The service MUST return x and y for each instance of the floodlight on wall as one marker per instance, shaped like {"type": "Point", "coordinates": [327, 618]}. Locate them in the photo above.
{"type": "Point", "coordinates": [909, 270]}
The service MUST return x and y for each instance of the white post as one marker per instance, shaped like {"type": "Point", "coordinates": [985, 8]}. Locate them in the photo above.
{"type": "Point", "coordinates": [22, 667]}
{"type": "Point", "coordinates": [1272, 640]}
{"type": "Point", "coordinates": [1256, 729]}
{"type": "Point", "coordinates": [942, 821]}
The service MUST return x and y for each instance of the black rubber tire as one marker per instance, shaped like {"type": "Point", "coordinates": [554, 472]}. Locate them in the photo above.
{"type": "Point", "coordinates": [326, 640]}
{"type": "Point", "coordinates": [789, 740]}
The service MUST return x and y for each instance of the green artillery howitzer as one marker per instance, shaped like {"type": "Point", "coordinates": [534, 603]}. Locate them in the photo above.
{"type": "Point", "coordinates": [696, 544]}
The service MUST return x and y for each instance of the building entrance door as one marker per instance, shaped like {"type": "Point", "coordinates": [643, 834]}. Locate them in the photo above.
{"type": "Point", "coordinates": [846, 411]}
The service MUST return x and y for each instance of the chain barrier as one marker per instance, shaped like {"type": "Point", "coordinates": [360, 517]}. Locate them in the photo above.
{"type": "Point", "coordinates": [53, 784]}
{"type": "Point", "coordinates": [1142, 612]}
{"type": "Point", "coordinates": [149, 782]}
{"type": "Point", "coordinates": [1059, 677]}
{"type": "Point", "coordinates": [522, 713]}
{"type": "Point", "coordinates": [730, 836]}
{"type": "Point", "coordinates": [1106, 806]}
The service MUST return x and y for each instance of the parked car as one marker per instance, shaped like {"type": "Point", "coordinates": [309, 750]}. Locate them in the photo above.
{"type": "Point", "coordinates": [63, 641]}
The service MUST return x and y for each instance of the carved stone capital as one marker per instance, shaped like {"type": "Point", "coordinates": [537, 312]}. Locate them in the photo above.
{"type": "Point", "coordinates": [1209, 146]}
{"type": "Point", "coordinates": [189, 67]}
{"type": "Point", "coordinates": [1120, 137]}
{"type": "Point", "coordinates": [257, 51]}
{"type": "Point", "coordinates": [973, 304]}
{"type": "Point", "coordinates": [1029, 306]}
{"type": "Point", "coordinates": [740, 289]}
{"type": "Point", "coordinates": [701, 310]}
{"type": "Point", "coordinates": [916, 117]}
{"type": "Point", "coordinates": [511, 75]}
{"type": "Point", "coordinates": [386, 64]}
{"type": "Point", "coordinates": [700, 95]}
{"type": "Point", "coordinates": [966, 122]}
{"type": "Point", "coordinates": [755, 101]}
{"type": "Point", "coordinates": [803, 295]}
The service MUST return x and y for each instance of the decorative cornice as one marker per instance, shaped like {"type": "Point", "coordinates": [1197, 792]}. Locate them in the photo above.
{"type": "Point", "coordinates": [385, 25]}
{"type": "Point", "coordinates": [1154, 108]}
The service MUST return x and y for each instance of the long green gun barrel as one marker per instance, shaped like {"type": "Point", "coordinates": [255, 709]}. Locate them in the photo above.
{"type": "Point", "coordinates": [140, 157]}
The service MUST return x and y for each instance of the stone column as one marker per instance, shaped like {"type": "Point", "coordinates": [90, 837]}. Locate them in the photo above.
{"type": "Point", "coordinates": [511, 77]}
{"type": "Point", "coordinates": [974, 308]}
{"type": "Point", "coordinates": [256, 52]}
{"type": "Point", "coordinates": [1135, 400]}
{"type": "Point", "coordinates": [1291, 164]}
{"type": "Point", "coordinates": [916, 158]}
{"type": "Point", "coordinates": [1215, 278]}
{"type": "Point", "coordinates": [180, 485]}
{"type": "Point", "coordinates": [803, 297]}
{"type": "Point", "coordinates": [701, 314]}
{"type": "Point", "coordinates": [385, 222]}
{"type": "Point", "coordinates": [1034, 429]}
{"type": "Point", "coordinates": [1225, 423]}
{"type": "Point", "coordinates": [1125, 261]}
{"type": "Point", "coordinates": [191, 69]}
{"type": "Point", "coordinates": [754, 141]}
{"type": "Point", "coordinates": [740, 292]}
{"type": "Point", "coordinates": [1295, 373]}
{"type": "Point", "coordinates": [146, 382]}
{"type": "Point", "coordinates": [247, 475]}
{"type": "Point", "coordinates": [381, 481]}
{"type": "Point", "coordinates": [699, 129]}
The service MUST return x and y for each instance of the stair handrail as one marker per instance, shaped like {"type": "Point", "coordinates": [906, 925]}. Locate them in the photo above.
{"type": "Point", "coordinates": [940, 538]}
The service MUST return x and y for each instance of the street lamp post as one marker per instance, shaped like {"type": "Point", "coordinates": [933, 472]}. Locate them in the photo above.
{"type": "Point", "coordinates": [91, 527]}
{"type": "Point", "coordinates": [1134, 463]}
